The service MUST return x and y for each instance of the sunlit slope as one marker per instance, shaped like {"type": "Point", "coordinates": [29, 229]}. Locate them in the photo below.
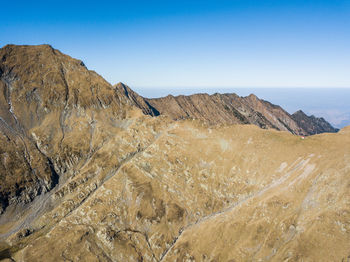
{"type": "Point", "coordinates": [231, 193]}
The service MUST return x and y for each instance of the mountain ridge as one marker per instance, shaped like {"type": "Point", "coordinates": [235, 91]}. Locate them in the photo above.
{"type": "Point", "coordinates": [229, 108]}
{"type": "Point", "coordinates": [87, 173]}
{"type": "Point", "coordinates": [312, 124]}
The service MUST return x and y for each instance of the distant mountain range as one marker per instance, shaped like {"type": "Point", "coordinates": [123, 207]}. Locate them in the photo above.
{"type": "Point", "coordinates": [229, 109]}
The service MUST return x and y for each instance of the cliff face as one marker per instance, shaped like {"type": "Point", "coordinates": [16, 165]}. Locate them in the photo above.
{"type": "Point", "coordinates": [87, 176]}
{"type": "Point", "coordinates": [229, 109]}
{"type": "Point", "coordinates": [312, 124]}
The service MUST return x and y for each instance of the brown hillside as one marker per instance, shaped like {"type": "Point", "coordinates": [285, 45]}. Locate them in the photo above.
{"type": "Point", "coordinates": [86, 176]}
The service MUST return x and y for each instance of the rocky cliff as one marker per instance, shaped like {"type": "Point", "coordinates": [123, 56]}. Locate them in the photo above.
{"type": "Point", "coordinates": [86, 176]}
{"type": "Point", "coordinates": [229, 109]}
{"type": "Point", "coordinates": [312, 124]}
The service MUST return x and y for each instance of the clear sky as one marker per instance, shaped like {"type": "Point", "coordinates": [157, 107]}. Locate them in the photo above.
{"type": "Point", "coordinates": [236, 43]}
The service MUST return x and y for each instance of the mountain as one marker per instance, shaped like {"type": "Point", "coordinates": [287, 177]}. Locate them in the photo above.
{"type": "Point", "coordinates": [227, 109]}
{"type": "Point", "coordinates": [43, 92]}
{"type": "Point", "coordinates": [88, 176]}
{"type": "Point", "coordinates": [312, 124]}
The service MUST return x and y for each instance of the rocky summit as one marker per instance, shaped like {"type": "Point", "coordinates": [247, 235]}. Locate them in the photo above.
{"type": "Point", "coordinates": [95, 172]}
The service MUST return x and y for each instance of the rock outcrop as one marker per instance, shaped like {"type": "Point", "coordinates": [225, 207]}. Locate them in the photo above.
{"type": "Point", "coordinates": [86, 175]}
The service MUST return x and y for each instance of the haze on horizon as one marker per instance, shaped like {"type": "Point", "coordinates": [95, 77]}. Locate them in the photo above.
{"type": "Point", "coordinates": [240, 43]}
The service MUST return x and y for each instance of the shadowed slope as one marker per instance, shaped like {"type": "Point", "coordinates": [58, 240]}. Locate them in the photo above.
{"type": "Point", "coordinates": [312, 124]}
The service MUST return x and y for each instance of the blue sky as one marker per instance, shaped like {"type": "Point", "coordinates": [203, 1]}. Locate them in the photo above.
{"type": "Point", "coordinates": [211, 44]}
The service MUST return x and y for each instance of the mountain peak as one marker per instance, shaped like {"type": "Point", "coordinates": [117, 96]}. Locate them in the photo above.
{"type": "Point", "coordinates": [299, 112]}
{"type": "Point", "coordinates": [312, 124]}
{"type": "Point", "coordinates": [13, 46]}
{"type": "Point", "coordinates": [253, 96]}
{"type": "Point", "coordinates": [120, 84]}
{"type": "Point", "coordinates": [41, 90]}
